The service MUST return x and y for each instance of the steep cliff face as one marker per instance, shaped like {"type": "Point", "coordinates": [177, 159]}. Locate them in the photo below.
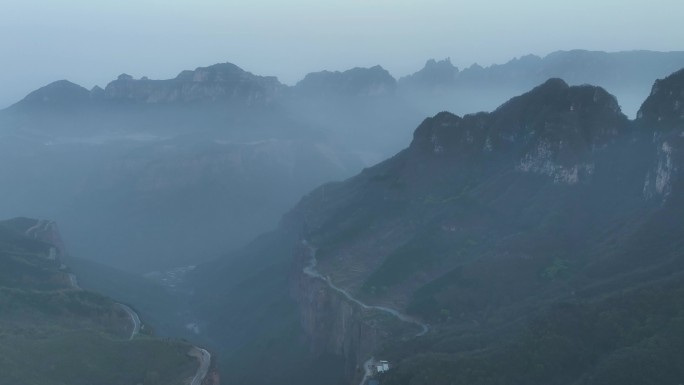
{"type": "Point", "coordinates": [335, 325]}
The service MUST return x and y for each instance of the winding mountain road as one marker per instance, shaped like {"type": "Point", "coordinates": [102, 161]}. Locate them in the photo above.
{"type": "Point", "coordinates": [204, 358]}
{"type": "Point", "coordinates": [368, 370]}
{"type": "Point", "coordinates": [311, 271]}
{"type": "Point", "coordinates": [29, 232]}
{"type": "Point", "coordinates": [134, 318]}
{"type": "Point", "coordinates": [42, 226]}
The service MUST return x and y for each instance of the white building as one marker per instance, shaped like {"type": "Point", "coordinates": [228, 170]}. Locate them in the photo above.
{"type": "Point", "coordinates": [381, 367]}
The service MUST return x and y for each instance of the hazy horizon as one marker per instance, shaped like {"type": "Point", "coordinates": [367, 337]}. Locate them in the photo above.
{"type": "Point", "coordinates": [90, 43]}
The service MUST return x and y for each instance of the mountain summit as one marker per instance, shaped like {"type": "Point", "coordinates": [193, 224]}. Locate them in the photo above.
{"type": "Point", "coordinates": [225, 82]}
{"type": "Point", "coordinates": [664, 107]}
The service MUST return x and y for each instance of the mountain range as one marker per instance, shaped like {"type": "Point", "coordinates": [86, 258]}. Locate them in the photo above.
{"type": "Point", "coordinates": [537, 243]}
{"type": "Point", "coordinates": [228, 84]}
{"type": "Point", "coordinates": [234, 150]}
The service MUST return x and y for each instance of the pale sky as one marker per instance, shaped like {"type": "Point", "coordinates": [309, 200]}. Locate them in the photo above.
{"type": "Point", "coordinates": [90, 42]}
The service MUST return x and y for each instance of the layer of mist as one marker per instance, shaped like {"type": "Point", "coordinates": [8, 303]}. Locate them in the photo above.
{"type": "Point", "coordinates": [149, 175]}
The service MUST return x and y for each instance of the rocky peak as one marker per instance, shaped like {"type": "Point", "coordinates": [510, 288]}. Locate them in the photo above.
{"type": "Point", "coordinates": [373, 81]}
{"type": "Point", "coordinates": [664, 107]}
{"type": "Point", "coordinates": [61, 94]}
{"type": "Point", "coordinates": [551, 130]}
{"type": "Point", "coordinates": [433, 73]}
{"type": "Point", "coordinates": [435, 132]}
{"type": "Point", "coordinates": [124, 77]}
{"type": "Point", "coordinates": [554, 108]}
{"type": "Point", "coordinates": [222, 72]}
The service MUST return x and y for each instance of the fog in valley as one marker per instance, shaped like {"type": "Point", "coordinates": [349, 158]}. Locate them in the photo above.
{"type": "Point", "coordinates": [150, 174]}
{"type": "Point", "coordinates": [350, 193]}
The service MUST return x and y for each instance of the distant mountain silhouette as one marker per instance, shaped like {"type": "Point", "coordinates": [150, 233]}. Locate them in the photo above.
{"type": "Point", "coordinates": [575, 67]}
{"type": "Point", "coordinates": [61, 94]}
{"type": "Point", "coordinates": [220, 82]}
{"type": "Point", "coordinates": [356, 82]}
{"type": "Point", "coordinates": [434, 74]}
{"type": "Point", "coordinates": [437, 86]}
{"type": "Point", "coordinates": [628, 75]}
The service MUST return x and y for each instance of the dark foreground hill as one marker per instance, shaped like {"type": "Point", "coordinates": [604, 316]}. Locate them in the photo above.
{"type": "Point", "coordinates": [538, 243]}
{"type": "Point", "coordinates": [54, 333]}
